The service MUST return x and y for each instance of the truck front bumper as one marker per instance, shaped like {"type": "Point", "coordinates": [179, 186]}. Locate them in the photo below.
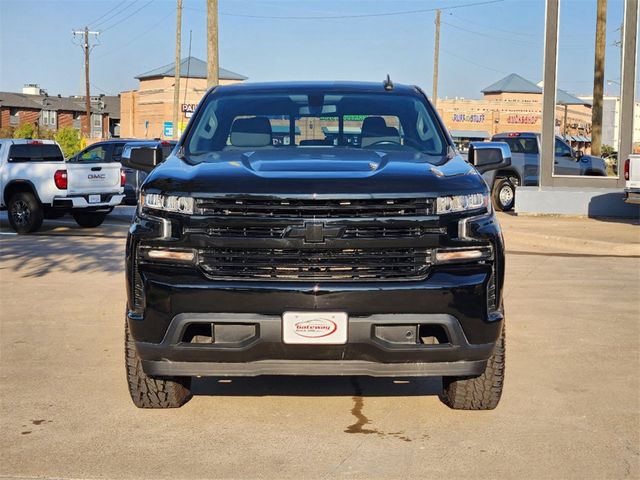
{"type": "Point", "coordinates": [378, 345]}
{"type": "Point", "coordinates": [386, 323]}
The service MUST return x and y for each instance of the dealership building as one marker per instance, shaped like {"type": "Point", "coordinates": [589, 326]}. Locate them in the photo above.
{"type": "Point", "coordinates": [148, 111]}
{"type": "Point", "coordinates": [515, 104]}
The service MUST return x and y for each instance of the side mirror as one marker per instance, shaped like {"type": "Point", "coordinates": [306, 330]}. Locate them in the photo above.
{"type": "Point", "coordinates": [579, 154]}
{"type": "Point", "coordinates": [141, 158]}
{"type": "Point", "coordinates": [486, 156]}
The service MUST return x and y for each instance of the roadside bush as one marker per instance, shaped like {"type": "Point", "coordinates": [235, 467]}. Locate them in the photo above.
{"type": "Point", "coordinates": [69, 140]}
{"type": "Point", "coordinates": [45, 134]}
{"type": "Point", "coordinates": [26, 130]}
{"type": "Point", "coordinates": [6, 132]}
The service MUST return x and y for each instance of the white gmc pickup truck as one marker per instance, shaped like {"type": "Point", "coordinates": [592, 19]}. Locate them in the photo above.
{"type": "Point", "coordinates": [37, 183]}
{"type": "Point", "coordinates": [632, 177]}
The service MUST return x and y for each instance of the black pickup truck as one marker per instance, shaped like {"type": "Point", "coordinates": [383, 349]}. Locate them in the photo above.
{"type": "Point", "coordinates": [269, 242]}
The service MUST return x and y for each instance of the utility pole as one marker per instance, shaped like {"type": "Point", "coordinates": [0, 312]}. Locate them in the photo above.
{"type": "Point", "coordinates": [87, 48]}
{"type": "Point", "coordinates": [436, 59]}
{"type": "Point", "coordinates": [212, 43]}
{"type": "Point", "coordinates": [176, 87]}
{"type": "Point", "coordinates": [598, 79]}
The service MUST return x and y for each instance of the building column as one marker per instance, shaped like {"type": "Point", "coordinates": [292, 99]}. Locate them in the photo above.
{"type": "Point", "coordinates": [550, 67]}
{"type": "Point", "coordinates": [627, 87]}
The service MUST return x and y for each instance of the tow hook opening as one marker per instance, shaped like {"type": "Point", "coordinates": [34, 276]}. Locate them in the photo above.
{"type": "Point", "coordinates": [431, 334]}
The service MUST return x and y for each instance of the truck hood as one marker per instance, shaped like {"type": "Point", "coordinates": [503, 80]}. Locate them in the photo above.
{"type": "Point", "coordinates": [301, 171]}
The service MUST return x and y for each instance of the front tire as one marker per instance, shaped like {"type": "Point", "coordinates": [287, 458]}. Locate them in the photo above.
{"type": "Point", "coordinates": [152, 392]}
{"type": "Point", "coordinates": [478, 393]}
{"type": "Point", "coordinates": [89, 219]}
{"type": "Point", "coordinates": [503, 194]}
{"type": "Point", "coordinates": [25, 213]}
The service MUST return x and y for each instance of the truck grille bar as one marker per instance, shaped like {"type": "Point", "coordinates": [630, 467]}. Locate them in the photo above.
{"type": "Point", "coordinates": [316, 264]}
{"type": "Point", "coordinates": [315, 208]}
{"type": "Point", "coordinates": [362, 231]}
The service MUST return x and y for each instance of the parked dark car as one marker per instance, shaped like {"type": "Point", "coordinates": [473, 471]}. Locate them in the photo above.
{"type": "Point", "coordinates": [134, 177]}
{"type": "Point", "coordinates": [525, 161]}
{"type": "Point", "coordinates": [104, 151]}
{"type": "Point", "coordinates": [323, 256]}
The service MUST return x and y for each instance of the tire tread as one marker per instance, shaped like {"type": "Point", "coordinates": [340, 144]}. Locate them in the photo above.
{"type": "Point", "coordinates": [152, 392]}
{"type": "Point", "coordinates": [482, 392]}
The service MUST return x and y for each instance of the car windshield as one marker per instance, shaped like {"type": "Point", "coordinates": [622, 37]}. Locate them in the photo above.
{"type": "Point", "coordinates": [375, 121]}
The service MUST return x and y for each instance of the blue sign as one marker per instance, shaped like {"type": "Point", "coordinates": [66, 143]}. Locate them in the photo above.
{"type": "Point", "coordinates": [168, 129]}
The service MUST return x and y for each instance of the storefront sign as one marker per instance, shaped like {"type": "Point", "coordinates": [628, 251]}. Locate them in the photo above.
{"type": "Point", "coordinates": [522, 119]}
{"type": "Point", "coordinates": [471, 118]}
{"type": "Point", "coordinates": [188, 109]}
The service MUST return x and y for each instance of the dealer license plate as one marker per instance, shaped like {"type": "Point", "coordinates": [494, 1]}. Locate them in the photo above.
{"type": "Point", "coordinates": [329, 328]}
{"type": "Point", "coordinates": [94, 198]}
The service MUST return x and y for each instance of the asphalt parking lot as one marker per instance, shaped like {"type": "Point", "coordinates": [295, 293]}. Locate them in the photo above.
{"type": "Point", "coordinates": [570, 409]}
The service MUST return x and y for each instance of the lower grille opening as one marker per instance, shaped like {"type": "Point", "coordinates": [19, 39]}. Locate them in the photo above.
{"type": "Point", "coordinates": [231, 334]}
{"type": "Point", "coordinates": [198, 333]}
{"type": "Point", "coordinates": [432, 335]}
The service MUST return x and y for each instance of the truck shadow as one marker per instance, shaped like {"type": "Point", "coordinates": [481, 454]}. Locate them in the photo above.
{"type": "Point", "coordinates": [320, 386]}
{"type": "Point", "coordinates": [67, 250]}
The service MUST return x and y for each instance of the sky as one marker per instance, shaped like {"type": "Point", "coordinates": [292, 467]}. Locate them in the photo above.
{"type": "Point", "coordinates": [352, 40]}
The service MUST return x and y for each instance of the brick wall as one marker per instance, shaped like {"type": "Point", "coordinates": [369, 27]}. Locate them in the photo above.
{"type": "Point", "coordinates": [4, 117]}
{"type": "Point", "coordinates": [65, 119]}
{"type": "Point", "coordinates": [29, 116]}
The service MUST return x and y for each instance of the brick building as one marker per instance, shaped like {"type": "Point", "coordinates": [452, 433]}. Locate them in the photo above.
{"type": "Point", "coordinates": [148, 111]}
{"type": "Point", "coordinates": [515, 104]}
{"type": "Point", "coordinates": [37, 107]}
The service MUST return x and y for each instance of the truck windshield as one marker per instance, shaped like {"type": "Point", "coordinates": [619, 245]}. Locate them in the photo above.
{"type": "Point", "coordinates": [376, 121]}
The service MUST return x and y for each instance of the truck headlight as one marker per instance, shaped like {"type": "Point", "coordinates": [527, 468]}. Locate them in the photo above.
{"type": "Point", "coordinates": [462, 203]}
{"type": "Point", "coordinates": [168, 203]}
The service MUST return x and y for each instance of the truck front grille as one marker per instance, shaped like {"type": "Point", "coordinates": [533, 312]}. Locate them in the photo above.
{"type": "Point", "coordinates": [362, 231]}
{"type": "Point", "coordinates": [315, 264]}
{"type": "Point", "coordinates": [315, 208]}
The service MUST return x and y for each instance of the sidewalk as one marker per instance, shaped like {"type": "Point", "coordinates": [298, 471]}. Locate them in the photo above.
{"type": "Point", "coordinates": [572, 235]}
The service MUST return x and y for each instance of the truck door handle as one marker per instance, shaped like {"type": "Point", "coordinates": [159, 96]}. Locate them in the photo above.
{"type": "Point", "coordinates": [96, 169]}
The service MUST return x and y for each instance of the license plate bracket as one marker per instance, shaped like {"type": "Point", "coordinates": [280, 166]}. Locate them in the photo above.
{"type": "Point", "coordinates": [315, 328]}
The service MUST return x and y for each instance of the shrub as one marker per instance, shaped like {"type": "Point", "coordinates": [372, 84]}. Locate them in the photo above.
{"type": "Point", "coordinates": [26, 130]}
{"type": "Point", "coordinates": [606, 150]}
{"type": "Point", "coordinates": [69, 140]}
{"type": "Point", "coordinates": [6, 132]}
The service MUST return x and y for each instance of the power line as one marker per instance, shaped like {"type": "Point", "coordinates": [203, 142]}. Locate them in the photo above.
{"type": "Point", "coordinates": [492, 27]}
{"type": "Point", "coordinates": [115, 14]}
{"type": "Point", "coordinates": [128, 16]}
{"type": "Point", "coordinates": [108, 12]}
{"type": "Point", "coordinates": [482, 34]}
{"type": "Point", "coordinates": [142, 34]}
{"type": "Point", "coordinates": [513, 40]}
{"type": "Point", "coordinates": [472, 62]}
{"type": "Point", "coordinates": [362, 15]}
{"type": "Point", "coordinates": [102, 89]}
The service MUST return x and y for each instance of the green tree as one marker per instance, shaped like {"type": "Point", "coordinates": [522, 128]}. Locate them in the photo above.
{"type": "Point", "coordinates": [69, 140]}
{"type": "Point", "coordinates": [607, 150]}
{"type": "Point", "coordinates": [26, 130]}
